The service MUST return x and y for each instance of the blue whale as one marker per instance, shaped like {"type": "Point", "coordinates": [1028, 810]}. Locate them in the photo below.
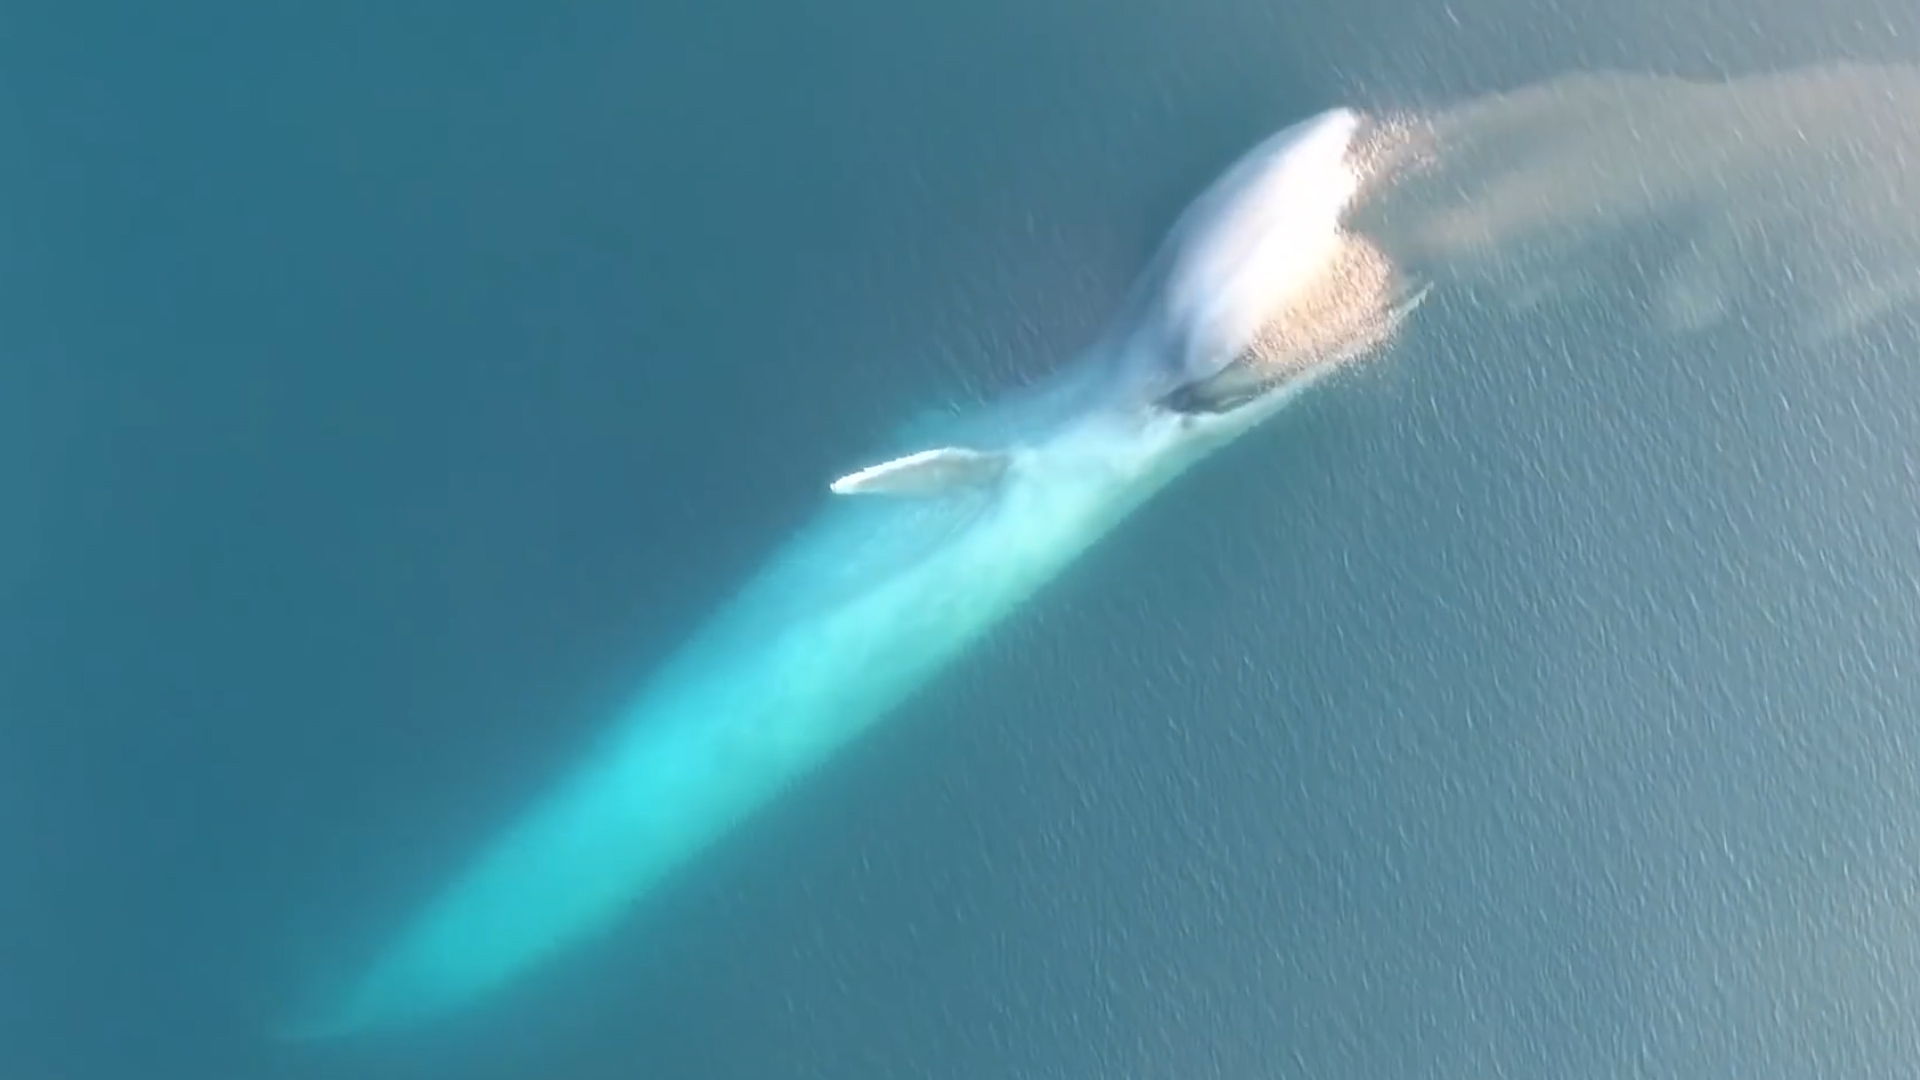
{"type": "Point", "coordinates": [1259, 291]}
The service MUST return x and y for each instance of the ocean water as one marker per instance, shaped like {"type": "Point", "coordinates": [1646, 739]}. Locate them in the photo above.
{"type": "Point", "coordinates": [381, 393]}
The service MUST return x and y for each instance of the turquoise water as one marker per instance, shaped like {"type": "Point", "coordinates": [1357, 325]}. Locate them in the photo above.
{"type": "Point", "coordinates": [383, 393]}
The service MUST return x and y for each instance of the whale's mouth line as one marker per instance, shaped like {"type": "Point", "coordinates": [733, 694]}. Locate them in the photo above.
{"type": "Point", "coordinates": [1354, 309]}
{"type": "Point", "coordinates": [1231, 391]}
{"type": "Point", "coordinates": [1225, 392]}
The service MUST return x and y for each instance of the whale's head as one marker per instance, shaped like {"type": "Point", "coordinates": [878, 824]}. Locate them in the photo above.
{"type": "Point", "coordinates": [1259, 289]}
{"type": "Point", "coordinates": [1260, 284]}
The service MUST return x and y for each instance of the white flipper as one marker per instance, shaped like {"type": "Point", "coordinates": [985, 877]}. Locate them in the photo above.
{"type": "Point", "coordinates": [928, 472]}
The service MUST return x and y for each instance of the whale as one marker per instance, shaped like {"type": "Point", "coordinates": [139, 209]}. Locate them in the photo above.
{"type": "Point", "coordinates": [1258, 291]}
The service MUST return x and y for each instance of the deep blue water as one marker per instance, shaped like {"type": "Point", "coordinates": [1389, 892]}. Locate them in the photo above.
{"type": "Point", "coordinates": [382, 392]}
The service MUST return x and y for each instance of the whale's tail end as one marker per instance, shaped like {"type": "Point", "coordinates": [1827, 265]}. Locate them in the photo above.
{"type": "Point", "coordinates": [332, 1017]}
{"type": "Point", "coordinates": [308, 1030]}
{"type": "Point", "coordinates": [308, 1024]}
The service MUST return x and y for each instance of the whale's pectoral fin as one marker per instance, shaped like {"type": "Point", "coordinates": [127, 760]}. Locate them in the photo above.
{"type": "Point", "coordinates": [928, 472]}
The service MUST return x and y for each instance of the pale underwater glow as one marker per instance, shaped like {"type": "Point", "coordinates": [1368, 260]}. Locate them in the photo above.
{"type": "Point", "coordinates": [875, 597]}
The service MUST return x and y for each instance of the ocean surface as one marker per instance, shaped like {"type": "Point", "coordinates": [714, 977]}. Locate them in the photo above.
{"type": "Point", "coordinates": [384, 389]}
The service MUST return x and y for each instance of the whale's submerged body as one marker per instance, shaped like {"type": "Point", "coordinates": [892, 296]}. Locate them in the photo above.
{"type": "Point", "coordinates": [1258, 291]}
